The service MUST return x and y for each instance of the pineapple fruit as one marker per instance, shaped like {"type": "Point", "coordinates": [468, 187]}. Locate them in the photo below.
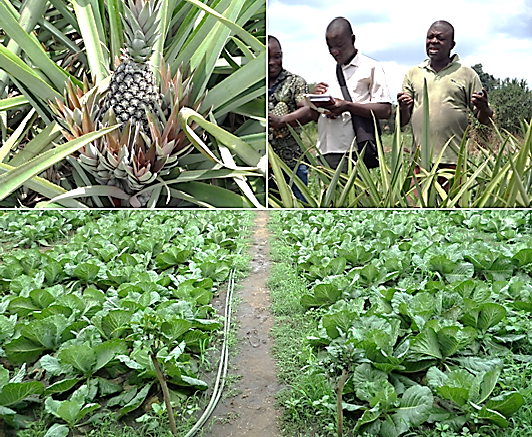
{"type": "Point", "coordinates": [133, 90]}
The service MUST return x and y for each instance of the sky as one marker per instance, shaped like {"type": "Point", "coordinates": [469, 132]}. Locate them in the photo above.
{"type": "Point", "coordinates": [494, 33]}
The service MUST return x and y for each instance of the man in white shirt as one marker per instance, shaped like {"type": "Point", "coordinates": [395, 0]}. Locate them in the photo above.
{"type": "Point", "coordinates": [366, 85]}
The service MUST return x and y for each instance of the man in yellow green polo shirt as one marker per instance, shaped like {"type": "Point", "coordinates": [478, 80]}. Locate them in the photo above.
{"type": "Point", "coordinates": [453, 89]}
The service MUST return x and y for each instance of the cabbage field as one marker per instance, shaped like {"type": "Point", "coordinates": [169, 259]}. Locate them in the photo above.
{"type": "Point", "coordinates": [109, 314]}
{"type": "Point", "coordinates": [387, 322]}
{"type": "Point", "coordinates": [399, 323]}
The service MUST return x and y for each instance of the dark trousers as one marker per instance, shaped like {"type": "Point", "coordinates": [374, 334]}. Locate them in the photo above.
{"type": "Point", "coordinates": [333, 159]}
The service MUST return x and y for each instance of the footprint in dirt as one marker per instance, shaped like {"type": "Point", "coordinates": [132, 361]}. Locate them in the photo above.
{"type": "Point", "coordinates": [250, 411]}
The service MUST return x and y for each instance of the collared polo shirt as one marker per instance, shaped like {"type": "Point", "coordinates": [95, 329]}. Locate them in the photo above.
{"type": "Point", "coordinates": [450, 92]}
{"type": "Point", "coordinates": [366, 84]}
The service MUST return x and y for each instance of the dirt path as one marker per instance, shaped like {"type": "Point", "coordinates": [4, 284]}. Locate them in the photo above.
{"type": "Point", "coordinates": [251, 411]}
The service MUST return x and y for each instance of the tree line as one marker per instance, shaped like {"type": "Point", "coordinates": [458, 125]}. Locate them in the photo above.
{"type": "Point", "coordinates": [510, 98]}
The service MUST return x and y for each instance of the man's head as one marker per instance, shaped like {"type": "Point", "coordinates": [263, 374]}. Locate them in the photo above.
{"type": "Point", "coordinates": [275, 57]}
{"type": "Point", "coordinates": [440, 41]}
{"type": "Point", "coordinates": [340, 40]}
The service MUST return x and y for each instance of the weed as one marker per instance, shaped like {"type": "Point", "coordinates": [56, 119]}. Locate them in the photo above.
{"type": "Point", "coordinates": [308, 399]}
{"type": "Point", "coordinates": [37, 428]}
{"type": "Point", "coordinates": [227, 419]}
{"type": "Point", "coordinates": [108, 426]}
{"type": "Point", "coordinates": [231, 390]}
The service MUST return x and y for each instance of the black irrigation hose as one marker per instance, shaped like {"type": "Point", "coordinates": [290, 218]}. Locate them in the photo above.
{"type": "Point", "coordinates": [224, 358]}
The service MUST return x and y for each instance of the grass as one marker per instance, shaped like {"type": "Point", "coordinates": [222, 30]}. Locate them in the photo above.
{"type": "Point", "coordinates": [308, 397]}
{"type": "Point", "coordinates": [304, 389]}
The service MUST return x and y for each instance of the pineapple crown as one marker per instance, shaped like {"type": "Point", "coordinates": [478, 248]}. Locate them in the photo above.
{"type": "Point", "coordinates": [141, 28]}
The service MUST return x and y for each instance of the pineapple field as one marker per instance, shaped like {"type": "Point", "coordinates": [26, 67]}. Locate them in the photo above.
{"type": "Point", "coordinates": [138, 103]}
{"type": "Point", "coordinates": [492, 172]}
{"type": "Point", "coordinates": [113, 320]}
{"type": "Point", "coordinates": [399, 323]}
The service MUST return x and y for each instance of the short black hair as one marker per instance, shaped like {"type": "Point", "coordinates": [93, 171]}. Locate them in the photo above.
{"type": "Point", "coordinates": [272, 38]}
{"type": "Point", "coordinates": [444, 24]}
{"type": "Point", "coordinates": [340, 23]}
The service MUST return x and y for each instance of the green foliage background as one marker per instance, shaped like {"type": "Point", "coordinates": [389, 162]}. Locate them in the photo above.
{"type": "Point", "coordinates": [510, 98]}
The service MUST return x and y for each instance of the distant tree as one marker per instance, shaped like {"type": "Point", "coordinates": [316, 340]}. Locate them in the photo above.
{"type": "Point", "coordinates": [489, 82]}
{"type": "Point", "coordinates": [511, 99]}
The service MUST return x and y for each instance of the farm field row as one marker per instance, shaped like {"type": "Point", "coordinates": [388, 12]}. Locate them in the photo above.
{"type": "Point", "coordinates": [396, 323]}
{"type": "Point", "coordinates": [103, 312]}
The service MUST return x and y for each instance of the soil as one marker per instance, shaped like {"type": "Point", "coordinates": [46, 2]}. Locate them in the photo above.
{"type": "Point", "coordinates": [248, 409]}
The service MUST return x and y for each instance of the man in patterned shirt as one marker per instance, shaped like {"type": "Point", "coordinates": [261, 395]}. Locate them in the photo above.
{"type": "Point", "coordinates": [285, 107]}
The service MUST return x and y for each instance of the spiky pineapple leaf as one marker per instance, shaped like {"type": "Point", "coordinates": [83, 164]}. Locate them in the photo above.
{"type": "Point", "coordinates": [16, 177]}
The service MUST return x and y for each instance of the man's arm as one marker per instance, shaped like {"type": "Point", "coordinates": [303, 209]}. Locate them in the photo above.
{"type": "Point", "coordinates": [381, 110]}
{"type": "Point", "coordinates": [406, 103]}
{"type": "Point", "coordinates": [302, 115]}
{"type": "Point", "coordinates": [405, 99]}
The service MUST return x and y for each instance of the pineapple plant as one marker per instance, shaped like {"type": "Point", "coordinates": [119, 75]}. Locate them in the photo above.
{"type": "Point", "coordinates": [133, 89]}
{"type": "Point", "coordinates": [154, 109]}
{"type": "Point", "coordinates": [150, 139]}
{"type": "Point", "coordinates": [129, 158]}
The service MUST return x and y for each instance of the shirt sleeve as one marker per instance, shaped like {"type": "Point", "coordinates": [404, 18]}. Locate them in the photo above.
{"type": "Point", "coordinates": [408, 85]}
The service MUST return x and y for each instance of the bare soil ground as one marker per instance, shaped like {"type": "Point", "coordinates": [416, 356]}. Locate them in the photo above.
{"type": "Point", "coordinates": [249, 410]}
